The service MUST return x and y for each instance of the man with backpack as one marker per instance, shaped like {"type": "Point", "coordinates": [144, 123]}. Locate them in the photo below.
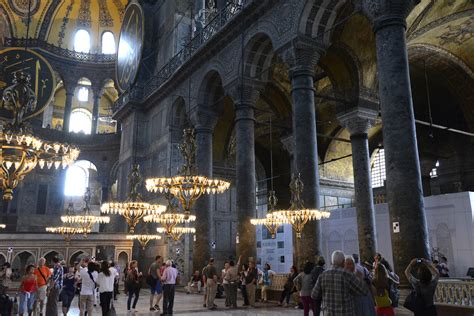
{"type": "Point", "coordinates": [43, 274]}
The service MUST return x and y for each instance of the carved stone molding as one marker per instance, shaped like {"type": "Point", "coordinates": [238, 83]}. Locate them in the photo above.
{"type": "Point", "coordinates": [358, 120]}
{"type": "Point", "coordinates": [203, 120]}
{"type": "Point", "coordinates": [302, 53]}
{"type": "Point", "coordinates": [244, 93]}
{"type": "Point", "coordinates": [387, 12]}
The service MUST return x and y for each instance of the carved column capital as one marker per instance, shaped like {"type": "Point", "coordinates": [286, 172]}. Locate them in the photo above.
{"type": "Point", "coordinates": [203, 120]}
{"type": "Point", "coordinates": [358, 120]}
{"type": "Point", "coordinates": [387, 12]}
{"type": "Point", "coordinates": [302, 54]}
{"type": "Point", "coordinates": [245, 92]}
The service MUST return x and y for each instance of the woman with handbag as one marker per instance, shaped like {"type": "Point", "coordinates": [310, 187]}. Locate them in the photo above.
{"type": "Point", "coordinates": [132, 284]}
{"type": "Point", "coordinates": [380, 290]}
{"type": "Point", "coordinates": [420, 301]}
{"type": "Point", "coordinates": [105, 281]}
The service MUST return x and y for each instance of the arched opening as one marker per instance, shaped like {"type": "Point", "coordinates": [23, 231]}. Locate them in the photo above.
{"type": "Point", "coordinates": [22, 260]}
{"type": "Point", "coordinates": [77, 257]}
{"type": "Point", "coordinates": [82, 41]}
{"type": "Point", "coordinates": [78, 178]}
{"type": "Point", "coordinates": [49, 258]}
{"type": "Point", "coordinates": [377, 170]}
{"type": "Point", "coordinates": [108, 43]}
{"type": "Point", "coordinates": [122, 260]}
{"type": "Point", "coordinates": [81, 121]}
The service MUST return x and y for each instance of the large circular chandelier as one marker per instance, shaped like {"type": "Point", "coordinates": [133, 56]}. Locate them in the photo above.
{"type": "Point", "coordinates": [143, 239]}
{"type": "Point", "coordinates": [187, 186]}
{"type": "Point", "coordinates": [297, 215]}
{"type": "Point", "coordinates": [86, 220]}
{"type": "Point", "coordinates": [271, 222]}
{"type": "Point", "coordinates": [176, 232]}
{"type": "Point", "coordinates": [133, 209]}
{"type": "Point", "coordinates": [20, 150]}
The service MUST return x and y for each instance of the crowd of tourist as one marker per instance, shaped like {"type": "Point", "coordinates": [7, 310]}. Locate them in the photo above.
{"type": "Point", "coordinates": [347, 287]}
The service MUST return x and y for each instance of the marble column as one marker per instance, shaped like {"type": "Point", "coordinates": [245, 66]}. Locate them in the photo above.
{"type": "Point", "coordinates": [302, 57]}
{"type": "Point", "coordinates": [357, 122]}
{"type": "Point", "coordinates": [404, 188]}
{"type": "Point", "coordinates": [245, 96]}
{"type": "Point", "coordinates": [68, 109]}
{"type": "Point", "coordinates": [95, 111]}
{"type": "Point", "coordinates": [204, 123]}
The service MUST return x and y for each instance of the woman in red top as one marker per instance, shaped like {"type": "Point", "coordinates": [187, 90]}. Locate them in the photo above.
{"type": "Point", "coordinates": [28, 288]}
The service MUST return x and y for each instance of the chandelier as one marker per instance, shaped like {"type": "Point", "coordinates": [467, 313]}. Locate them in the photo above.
{"type": "Point", "coordinates": [143, 239]}
{"type": "Point", "coordinates": [133, 209]}
{"type": "Point", "coordinates": [20, 150]}
{"type": "Point", "coordinates": [176, 232]}
{"type": "Point", "coordinates": [297, 215]}
{"type": "Point", "coordinates": [187, 186]}
{"type": "Point", "coordinates": [2, 226]}
{"type": "Point", "coordinates": [86, 220]}
{"type": "Point", "coordinates": [171, 218]}
{"type": "Point", "coordinates": [67, 231]}
{"type": "Point", "coordinates": [271, 222]}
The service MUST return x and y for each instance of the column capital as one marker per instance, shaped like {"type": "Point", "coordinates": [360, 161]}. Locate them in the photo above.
{"type": "Point", "coordinates": [387, 12]}
{"type": "Point", "coordinates": [246, 93]}
{"type": "Point", "coordinates": [358, 120]}
{"type": "Point", "coordinates": [302, 54]}
{"type": "Point", "coordinates": [204, 120]}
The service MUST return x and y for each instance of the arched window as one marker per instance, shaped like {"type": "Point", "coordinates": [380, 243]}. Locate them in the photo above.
{"type": "Point", "coordinates": [378, 169]}
{"type": "Point", "coordinates": [83, 94]}
{"type": "Point", "coordinates": [108, 43]}
{"type": "Point", "coordinates": [80, 121]}
{"type": "Point", "coordinates": [77, 178]}
{"type": "Point", "coordinates": [82, 41]}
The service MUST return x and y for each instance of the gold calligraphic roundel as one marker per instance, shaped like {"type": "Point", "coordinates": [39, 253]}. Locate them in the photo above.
{"type": "Point", "coordinates": [130, 46]}
{"type": "Point", "coordinates": [42, 80]}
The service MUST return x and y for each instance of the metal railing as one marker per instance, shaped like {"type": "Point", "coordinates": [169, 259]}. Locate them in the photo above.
{"type": "Point", "coordinates": [61, 52]}
{"type": "Point", "coordinates": [455, 292]}
{"type": "Point", "coordinates": [202, 36]}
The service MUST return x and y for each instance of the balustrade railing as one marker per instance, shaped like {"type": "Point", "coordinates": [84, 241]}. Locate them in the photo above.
{"type": "Point", "coordinates": [457, 292]}
{"type": "Point", "coordinates": [61, 52]}
{"type": "Point", "coordinates": [217, 22]}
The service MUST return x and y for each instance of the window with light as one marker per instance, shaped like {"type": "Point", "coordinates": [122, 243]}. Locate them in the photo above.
{"type": "Point", "coordinates": [80, 121]}
{"type": "Point", "coordinates": [82, 41]}
{"type": "Point", "coordinates": [83, 94]}
{"type": "Point", "coordinates": [78, 178]}
{"type": "Point", "coordinates": [108, 43]}
{"type": "Point", "coordinates": [378, 169]}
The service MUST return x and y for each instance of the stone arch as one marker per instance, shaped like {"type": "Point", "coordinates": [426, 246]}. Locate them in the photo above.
{"type": "Point", "coordinates": [123, 259]}
{"type": "Point", "coordinates": [77, 256]}
{"type": "Point", "coordinates": [211, 92]}
{"type": "Point", "coordinates": [49, 255]}
{"type": "Point", "coordinates": [334, 242]}
{"type": "Point", "coordinates": [22, 259]}
{"type": "Point", "coordinates": [351, 244]}
{"type": "Point", "coordinates": [317, 19]}
{"type": "Point", "coordinates": [258, 56]}
{"type": "Point", "coordinates": [177, 116]}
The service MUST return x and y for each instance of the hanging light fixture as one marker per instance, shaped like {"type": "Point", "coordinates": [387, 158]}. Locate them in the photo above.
{"type": "Point", "coordinates": [143, 239]}
{"type": "Point", "coordinates": [187, 186]}
{"type": "Point", "coordinates": [297, 215]}
{"type": "Point", "coordinates": [133, 209]}
{"type": "Point", "coordinates": [171, 218]}
{"type": "Point", "coordinates": [176, 232]}
{"type": "Point", "coordinates": [2, 226]}
{"type": "Point", "coordinates": [70, 230]}
{"type": "Point", "coordinates": [86, 220]}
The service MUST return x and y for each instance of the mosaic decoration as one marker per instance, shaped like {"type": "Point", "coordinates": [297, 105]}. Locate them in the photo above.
{"type": "Point", "coordinates": [458, 34]}
{"type": "Point", "coordinates": [20, 7]}
{"type": "Point", "coordinates": [84, 18]}
{"type": "Point", "coordinates": [105, 19]}
{"type": "Point", "coordinates": [62, 32]}
{"type": "Point", "coordinates": [47, 19]}
{"type": "Point", "coordinates": [121, 8]}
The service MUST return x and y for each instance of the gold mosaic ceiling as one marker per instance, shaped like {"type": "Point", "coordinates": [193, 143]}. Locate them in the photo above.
{"type": "Point", "coordinates": [55, 21]}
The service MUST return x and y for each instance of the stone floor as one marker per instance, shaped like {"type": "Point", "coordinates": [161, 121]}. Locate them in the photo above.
{"type": "Point", "coordinates": [192, 305]}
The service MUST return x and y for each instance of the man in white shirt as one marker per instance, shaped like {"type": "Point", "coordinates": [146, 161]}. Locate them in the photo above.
{"type": "Point", "coordinates": [169, 283]}
{"type": "Point", "coordinates": [89, 278]}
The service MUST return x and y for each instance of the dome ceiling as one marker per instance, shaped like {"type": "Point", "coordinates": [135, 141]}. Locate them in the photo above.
{"type": "Point", "coordinates": [56, 21]}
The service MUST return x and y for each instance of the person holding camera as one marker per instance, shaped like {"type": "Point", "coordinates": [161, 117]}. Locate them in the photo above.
{"type": "Point", "coordinates": [424, 284]}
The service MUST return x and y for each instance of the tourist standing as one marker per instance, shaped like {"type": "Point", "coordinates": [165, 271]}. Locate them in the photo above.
{"type": "Point", "coordinates": [55, 285]}
{"type": "Point", "coordinates": [379, 259]}
{"type": "Point", "coordinates": [232, 278]}
{"type": "Point", "coordinates": [116, 269]}
{"type": "Point", "coordinates": [318, 269]}
{"type": "Point", "coordinates": [105, 283]}
{"type": "Point", "coordinates": [443, 267]}
{"type": "Point", "coordinates": [243, 289]}
{"type": "Point", "coordinates": [336, 288]}
{"type": "Point", "coordinates": [170, 274]}
{"type": "Point", "coordinates": [424, 284]}
{"type": "Point", "coordinates": [303, 283]}
{"type": "Point", "coordinates": [43, 274]}
{"type": "Point", "coordinates": [89, 277]}
{"type": "Point", "coordinates": [289, 286]}
{"type": "Point", "coordinates": [5, 275]}
{"type": "Point", "coordinates": [28, 288]}
{"type": "Point", "coordinates": [154, 277]}
{"type": "Point", "coordinates": [267, 277]}
{"type": "Point", "coordinates": [211, 284]}
{"type": "Point", "coordinates": [68, 290]}
{"type": "Point", "coordinates": [132, 284]}
{"type": "Point", "coordinates": [364, 305]}
{"type": "Point", "coordinates": [225, 283]}
{"type": "Point", "coordinates": [380, 289]}
{"type": "Point", "coordinates": [251, 283]}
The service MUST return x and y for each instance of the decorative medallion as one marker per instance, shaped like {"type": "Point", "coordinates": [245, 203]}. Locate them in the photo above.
{"type": "Point", "coordinates": [130, 46]}
{"type": "Point", "coordinates": [42, 77]}
{"type": "Point", "coordinates": [20, 7]}
{"type": "Point", "coordinates": [84, 18]}
{"type": "Point", "coordinates": [105, 19]}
